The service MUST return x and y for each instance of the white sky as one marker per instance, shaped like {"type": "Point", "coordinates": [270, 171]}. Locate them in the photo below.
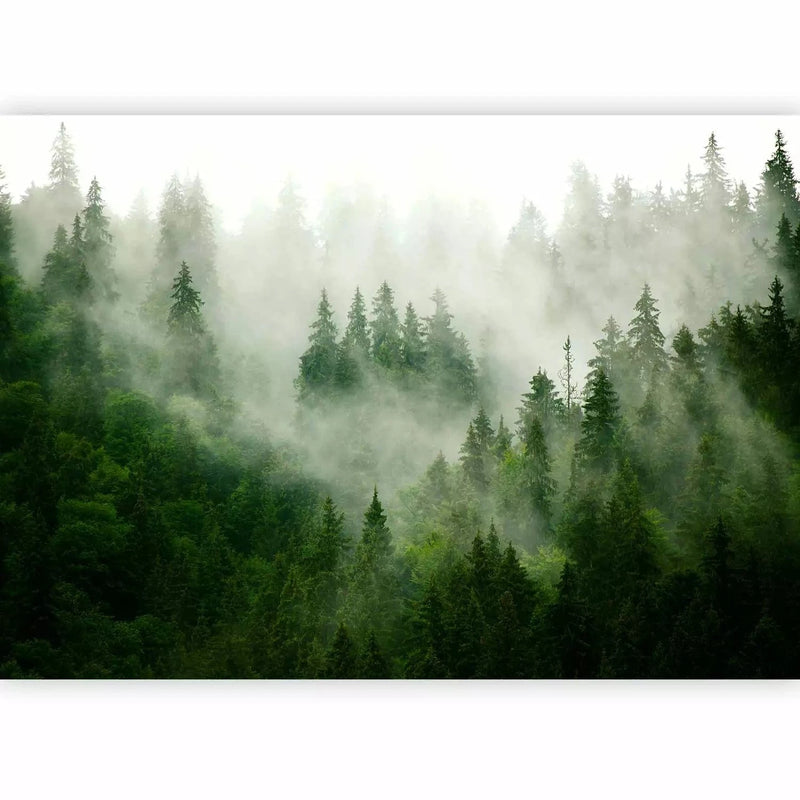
{"type": "Point", "coordinates": [497, 159]}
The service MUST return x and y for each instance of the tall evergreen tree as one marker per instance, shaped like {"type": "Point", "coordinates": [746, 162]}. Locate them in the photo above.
{"type": "Point", "coordinates": [646, 338]}
{"type": "Point", "coordinates": [537, 483]}
{"type": "Point", "coordinates": [59, 275]}
{"type": "Point", "coordinates": [356, 334]}
{"type": "Point", "coordinates": [7, 260]}
{"type": "Point", "coordinates": [601, 421]}
{"type": "Point", "coordinates": [542, 401]}
{"type": "Point", "coordinates": [63, 172]}
{"type": "Point", "coordinates": [185, 316]}
{"type": "Point", "coordinates": [777, 193]}
{"type": "Point", "coordinates": [192, 360]}
{"type": "Point", "coordinates": [98, 242]}
{"type": "Point", "coordinates": [172, 232]}
{"type": "Point", "coordinates": [570, 388]}
{"type": "Point", "coordinates": [385, 327]}
{"type": "Point", "coordinates": [318, 363]}
{"type": "Point", "coordinates": [610, 351]}
{"type": "Point", "coordinates": [412, 345]}
{"type": "Point", "coordinates": [200, 245]}
{"type": "Point", "coordinates": [372, 601]}
{"type": "Point", "coordinates": [715, 184]}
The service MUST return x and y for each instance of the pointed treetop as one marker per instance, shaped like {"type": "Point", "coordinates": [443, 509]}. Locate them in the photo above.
{"type": "Point", "coordinates": [184, 315]}
{"type": "Point", "coordinates": [63, 172]}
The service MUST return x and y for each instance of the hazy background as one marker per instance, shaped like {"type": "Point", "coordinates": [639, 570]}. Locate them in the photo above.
{"type": "Point", "coordinates": [497, 159]}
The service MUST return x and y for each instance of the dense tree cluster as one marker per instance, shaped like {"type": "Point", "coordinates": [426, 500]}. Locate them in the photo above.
{"type": "Point", "coordinates": [424, 355]}
{"type": "Point", "coordinates": [643, 524]}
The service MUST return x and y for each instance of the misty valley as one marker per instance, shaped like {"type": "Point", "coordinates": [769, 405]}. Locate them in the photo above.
{"type": "Point", "coordinates": [375, 445]}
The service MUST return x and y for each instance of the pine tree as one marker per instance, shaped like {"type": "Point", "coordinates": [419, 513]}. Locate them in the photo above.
{"type": "Point", "coordinates": [659, 209]}
{"type": "Point", "coordinates": [200, 244]}
{"type": "Point", "coordinates": [715, 185]}
{"type": "Point", "coordinates": [472, 460]}
{"type": "Point", "coordinates": [476, 451]}
{"type": "Point", "coordinates": [385, 327]}
{"type": "Point", "coordinates": [537, 485]}
{"type": "Point", "coordinates": [449, 364]}
{"type": "Point", "coordinates": [742, 208]}
{"type": "Point", "coordinates": [685, 349]}
{"type": "Point", "coordinates": [356, 334]}
{"type": "Point", "coordinates": [373, 664]}
{"type": "Point", "coordinates": [63, 172]}
{"type": "Point", "coordinates": [412, 345]}
{"type": "Point", "coordinates": [372, 601]}
{"type": "Point", "coordinates": [786, 257]}
{"type": "Point", "coordinates": [7, 261]}
{"type": "Point", "coordinates": [318, 363]}
{"type": "Point", "coordinates": [610, 351]}
{"type": "Point", "coordinates": [777, 193]}
{"type": "Point", "coordinates": [528, 245]}
{"type": "Point", "coordinates": [502, 439]}
{"type": "Point", "coordinates": [542, 401]}
{"type": "Point", "coordinates": [172, 230]}
{"type": "Point", "coordinates": [58, 278]}
{"type": "Point", "coordinates": [570, 389]}
{"type": "Point", "coordinates": [690, 197]}
{"type": "Point", "coordinates": [601, 421]}
{"type": "Point", "coordinates": [98, 242]}
{"type": "Point", "coordinates": [185, 317]}
{"type": "Point", "coordinates": [775, 334]}
{"type": "Point", "coordinates": [646, 338]}
{"type": "Point", "coordinates": [342, 656]}
{"type": "Point", "coordinates": [352, 353]}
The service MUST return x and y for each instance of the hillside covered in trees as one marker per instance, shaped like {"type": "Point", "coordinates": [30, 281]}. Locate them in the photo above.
{"type": "Point", "coordinates": [193, 483]}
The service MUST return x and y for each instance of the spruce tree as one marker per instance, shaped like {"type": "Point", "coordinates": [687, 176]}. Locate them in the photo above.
{"type": "Point", "coordinates": [342, 657]}
{"type": "Point", "coordinates": [777, 193]}
{"type": "Point", "coordinates": [63, 172]}
{"type": "Point", "coordinates": [98, 242]}
{"type": "Point", "coordinates": [449, 364]}
{"type": "Point", "coordinates": [7, 261]}
{"type": "Point", "coordinates": [185, 317]}
{"type": "Point", "coordinates": [610, 351]}
{"type": "Point", "coordinates": [412, 345]}
{"type": "Point", "coordinates": [690, 197]}
{"type": "Point", "coordinates": [537, 484]}
{"type": "Point", "coordinates": [685, 349]}
{"type": "Point", "coordinates": [385, 327]}
{"type": "Point", "coordinates": [372, 599]}
{"type": "Point", "coordinates": [601, 421]}
{"type": "Point", "coordinates": [356, 334]}
{"type": "Point", "coordinates": [192, 359]}
{"type": "Point", "coordinates": [775, 332]}
{"type": "Point", "coordinates": [59, 275]}
{"type": "Point", "coordinates": [200, 244]}
{"type": "Point", "coordinates": [172, 230]}
{"type": "Point", "coordinates": [715, 185]}
{"type": "Point", "coordinates": [570, 389]}
{"type": "Point", "coordinates": [502, 440]}
{"type": "Point", "coordinates": [646, 338]}
{"type": "Point", "coordinates": [542, 401]}
{"type": "Point", "coordinates": [318, 363]}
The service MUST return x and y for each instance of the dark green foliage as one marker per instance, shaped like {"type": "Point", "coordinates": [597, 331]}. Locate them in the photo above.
{"type": "Point", "coordinates": [777, 194]}
{"type": "Point", "coordinates": [385, 327]}
{"type": "Point", "coordinates": [601, 422]}
{"type": "Point", "coordinates": [651, 533]}
{"type": "Point", "coordinates": [412, 345]}
{"type": "Point", "coordinates": [97, 246]}
{"type": "Point", "coordinates": [318, 363]}
{"type": "Point", "coordinates": [646, 338]}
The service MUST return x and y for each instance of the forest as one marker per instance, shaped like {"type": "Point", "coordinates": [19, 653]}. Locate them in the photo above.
{"type": "Point", "coordinates": [366, 447]}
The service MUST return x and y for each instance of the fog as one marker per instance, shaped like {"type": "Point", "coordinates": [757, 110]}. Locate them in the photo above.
{"type": "Point", "coordinates": [302, 204]}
